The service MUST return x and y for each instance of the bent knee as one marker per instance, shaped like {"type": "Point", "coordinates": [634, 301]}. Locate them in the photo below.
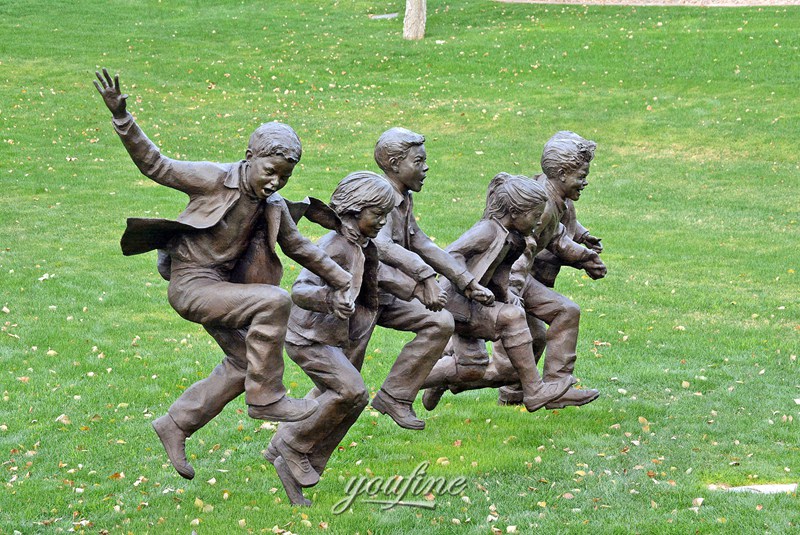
{"type": "Point", "coordinates": [363, 400]}
{"type": "Point", "coordinates": [355, 394]}
{"type": "Point", "coordinates": [273, 298]}
{"type": "Point", "coordinates": [511, 316]}
{"type": "Point", "coordinates": [441, 322]}
{"type": "Point", "coordinates": [570, 309]}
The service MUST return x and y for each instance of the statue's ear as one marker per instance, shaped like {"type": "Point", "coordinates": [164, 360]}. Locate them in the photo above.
{"type": "Point", "coordinates": [393, 164]}
{"type": "Point", "coordinates": [248, 154]}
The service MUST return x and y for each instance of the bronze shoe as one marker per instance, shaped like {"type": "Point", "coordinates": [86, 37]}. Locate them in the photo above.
{"type": "Point", "coordinates": [174, 440]}
{"type": "Point", "coordinates": [574, 398]}
{"type": "Point", "coordinates": [298, 464]}
{"type": "Point", "coordinates": [400, 411]}
{"type": "Point", "coordinates": [548, 392]}
{"type": "Point", "coordinates": [510, 395]}
{"type": "Point", "coordinates": [271, 453]}
{"type": "Point", "coordinates": [285, 409]}
{"type": "Point", "coordinates": [293, 489]}
{"type": "Point", "coordinates": [431, 397]}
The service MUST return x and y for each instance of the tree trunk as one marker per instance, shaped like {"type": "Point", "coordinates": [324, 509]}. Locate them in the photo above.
{"type": "Point", "coordinates": [414, 21]}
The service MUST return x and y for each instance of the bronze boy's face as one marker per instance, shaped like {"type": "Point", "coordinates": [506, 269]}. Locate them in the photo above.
{"type": "Point", "coordinates": [412, 169]}
{"type": "Point", "coordinates": [371, 220]}
{"type": "Point", "coordinates": [574, 181]}
{"type": "Point", "coordinates": [267, 174]}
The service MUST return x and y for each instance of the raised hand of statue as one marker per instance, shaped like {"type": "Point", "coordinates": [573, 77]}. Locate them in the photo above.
{"type": "Point", "coordinates": [430, 294]}
{"type": "Point", "coordinates": [594, 267]}
{"type": "Point", "coordinates": [341, 304]}
{"type": "Point", "coordinates": [479, 293]}
{"type": "Point", "coordinates": [112, 96]}
{"type": "Point", "coordinates": [593, 243]}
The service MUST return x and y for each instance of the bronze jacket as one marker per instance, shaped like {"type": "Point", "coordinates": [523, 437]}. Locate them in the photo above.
{"type": "Point", "coordinates": [489, 250]}
{"type": "Point", "coordinates": [547, 265]}
{"type": "Point", "coordinates": [213, 188]}
{"type": "Point", "coordinates": [409, 256]}
{"type": "Point", "coordinates": [552, 236]}
{"type": "Point", "coordinates": [311, 321]}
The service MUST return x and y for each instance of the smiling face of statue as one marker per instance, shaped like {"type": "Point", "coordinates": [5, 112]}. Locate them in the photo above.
{"type": "Point", "coordinates": [573, 181]}
{"type": "Point", "coordinates": [372, 219]}
{"type": "Point", "coordinates": [267, 174]}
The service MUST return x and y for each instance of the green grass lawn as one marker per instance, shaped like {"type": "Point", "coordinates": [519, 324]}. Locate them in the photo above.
{"type": "Point", "coordinates": [692, 337]}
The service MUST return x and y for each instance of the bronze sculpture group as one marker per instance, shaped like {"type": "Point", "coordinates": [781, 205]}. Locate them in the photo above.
{"type": "Point", "coordinates": [374, 267]}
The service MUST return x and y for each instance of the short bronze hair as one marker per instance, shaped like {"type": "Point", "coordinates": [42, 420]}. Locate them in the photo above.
{"type": "Point", "coordinates": [276, 138]}
{"type": "Point", "coordinates": [360, 190]}
{"type": "Point", "coordinates": [566, 150]}
{"type": "Point", "coordinates": [395, 143]}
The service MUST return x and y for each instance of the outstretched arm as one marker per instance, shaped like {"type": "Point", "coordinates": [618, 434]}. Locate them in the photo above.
{"type": "Point", "coordinates": [576, 255]}
{"type": "Point", "coordinates": [416, 274]}
{"type": "Point", "coordinates": [583, 236]}
{"type": "Point", "coordinates": [473, 242]}
{"type": "Point", "coordinates": [189, 177]}
{"type": "Point", "coordinates": [301, 250]}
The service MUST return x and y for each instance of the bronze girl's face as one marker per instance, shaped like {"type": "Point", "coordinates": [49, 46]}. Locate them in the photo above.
{"type": "Point", "coordinates": [371, 220]}
{"type": "Point", "coordinates": [526, 222]}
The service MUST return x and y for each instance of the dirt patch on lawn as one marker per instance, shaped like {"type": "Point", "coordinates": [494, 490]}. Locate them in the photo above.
{"type": "Point", "coordinates": [696, 3]}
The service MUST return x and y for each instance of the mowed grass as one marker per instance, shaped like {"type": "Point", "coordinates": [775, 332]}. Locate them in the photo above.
{"type": "Point", "coordinates": [692, 338]}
